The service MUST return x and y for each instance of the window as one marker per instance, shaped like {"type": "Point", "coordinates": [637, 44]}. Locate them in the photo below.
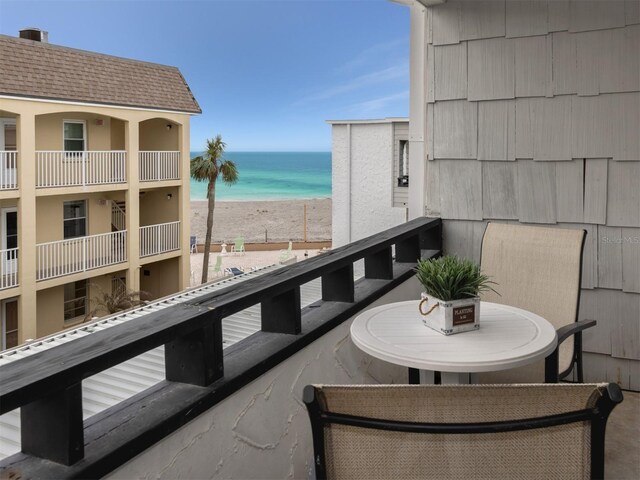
{"type": "Point", "coordinates": [403, 163]}
{"type": "Point", "coordinates": [74, 136]}
{"type": "Point", "coordinates": [75, 219]}
{"type": "Point", "coordinates": [75, 300]}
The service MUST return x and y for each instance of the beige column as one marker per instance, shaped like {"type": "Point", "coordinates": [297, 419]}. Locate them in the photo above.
{"type": "Point", "coordinates": [27, 314]}
{"type": "Point", "coordinates": [184, 212]}
{"type": "Point", "coordinates": [132, 198]}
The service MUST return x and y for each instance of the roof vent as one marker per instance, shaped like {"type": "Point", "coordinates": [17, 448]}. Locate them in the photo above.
{"type": "Point", "coordinates": [35, 34]}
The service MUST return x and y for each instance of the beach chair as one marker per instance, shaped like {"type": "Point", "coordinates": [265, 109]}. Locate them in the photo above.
{"type": "Point", "coordinates": [233, 271]}
{"type": "Point", "coordinates": [217, 269]}
{"type": "Point", "coordinates": [238, 246]}
{"type": "Point", "coordinates": [193, 246]}
{"type": "Point", "coordinates": [286, 254]}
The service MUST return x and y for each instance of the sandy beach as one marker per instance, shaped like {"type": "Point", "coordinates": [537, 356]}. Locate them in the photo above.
{"type": "Point", "coordinates": [282, 220]}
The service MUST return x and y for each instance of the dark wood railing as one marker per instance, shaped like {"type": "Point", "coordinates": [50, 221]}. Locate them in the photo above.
{"type": "Point", "coordinates": [56, 443]}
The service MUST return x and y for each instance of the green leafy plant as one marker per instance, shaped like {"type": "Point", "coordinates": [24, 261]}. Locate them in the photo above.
{"type": "Point", "coordinates": [452, 278]}
{"type": "Point", "coordinates": [107, 303]}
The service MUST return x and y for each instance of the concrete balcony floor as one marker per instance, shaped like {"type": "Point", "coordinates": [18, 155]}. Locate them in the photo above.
{"type": "Point", "coordinates": [622, 443]}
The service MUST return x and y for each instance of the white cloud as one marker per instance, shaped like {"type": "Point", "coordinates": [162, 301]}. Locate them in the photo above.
{"type": "Point", "coordinates": [373, 54]}
{"type": "Point", "coordinates": [376, 105]}
{"type": "Point", "coordinates": [396, 72]}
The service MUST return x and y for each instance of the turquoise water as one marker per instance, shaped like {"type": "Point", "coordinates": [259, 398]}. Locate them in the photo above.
{"type": "Point", "coordinates": [273, 175]}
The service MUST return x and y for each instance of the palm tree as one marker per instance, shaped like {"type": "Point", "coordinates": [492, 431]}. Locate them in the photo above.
{"type": "Point", "coordinates": [116, 301]}
{"type": "Point", "coordinates": [207, 168]}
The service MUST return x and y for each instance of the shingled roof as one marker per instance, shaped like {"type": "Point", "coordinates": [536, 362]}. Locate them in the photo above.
{"type": "Point", "coordinates": [40, 70]}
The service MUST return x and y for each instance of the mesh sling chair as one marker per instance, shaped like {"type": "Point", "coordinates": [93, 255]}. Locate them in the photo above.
{"type": "Point", "coordinates": [468, 431]}
{"type": "Point", "coordinates": [538, 269]}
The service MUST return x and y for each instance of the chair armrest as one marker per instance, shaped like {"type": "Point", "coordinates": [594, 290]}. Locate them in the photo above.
{"type": "Point", "coordinates": [573, 328]}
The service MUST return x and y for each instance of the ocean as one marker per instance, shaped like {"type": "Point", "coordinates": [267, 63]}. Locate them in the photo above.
{"type": "Point", "coordinates": [273, 176]}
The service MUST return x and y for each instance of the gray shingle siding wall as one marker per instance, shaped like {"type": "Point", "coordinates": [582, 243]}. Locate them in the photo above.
{"type": "Point", "coordinates": [533, 116]}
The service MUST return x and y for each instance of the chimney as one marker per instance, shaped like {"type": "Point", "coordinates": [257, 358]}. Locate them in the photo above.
{"type": "Point", "coordinates": [35, 34]}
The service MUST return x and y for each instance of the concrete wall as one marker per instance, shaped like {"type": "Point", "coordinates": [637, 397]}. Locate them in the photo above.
{"type": "Point", "coordinates": [155, 136]}
{"type": "Point", "coordinates": [362, 181]}
{"type": "Point", "coordinates": [532, 116]}
{"type": "Point", "coordinates": [50, 216]}
{"type": "Point", "coordinates": [99, 131]}
{"type": "Point", "coordinates": [160, 278]}
{"type": "Point", "coordinates": [262, 431]}
{"type": "Point", "coordinates": [50, 305]}
{"type": "Point", "coordinates": [156, 208]}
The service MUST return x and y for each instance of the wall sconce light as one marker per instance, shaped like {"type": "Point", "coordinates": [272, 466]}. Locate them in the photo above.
{"type": "Point", "coordinates": [169, 196]}
{"type": "Point", "coordinates": [169, 126]}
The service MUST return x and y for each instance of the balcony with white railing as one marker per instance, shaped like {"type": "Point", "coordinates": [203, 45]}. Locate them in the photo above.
{"type": "Point", "coordinates": [66, 257]}
{"type": "Point", "coordinates": [158, 166]}
{"type": "Point", "coordinates": [8, 170]}
{"type": "Point", "coordinates": [69, 169]}
{"type": "Point", "coordinates": [160, 238]}
{"type": "Point", "coordinates": [8, 268]}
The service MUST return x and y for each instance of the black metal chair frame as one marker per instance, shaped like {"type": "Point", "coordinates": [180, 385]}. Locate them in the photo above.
{"type": "Point", "coordinates": [597, 416]}
{"type": "Point", "coordinates": [551, 363]}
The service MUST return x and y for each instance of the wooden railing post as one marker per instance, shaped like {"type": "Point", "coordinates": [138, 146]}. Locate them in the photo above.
{"type": "Point", "coordinates": [196, 358]}
{"type": "Point", "coordinates": [281, 313]}
{"type": "Point", "coordinates": [337, 286]}
{"type": "Point", "coordinates": [431, 238]}
{"type": "Point", "coordinates": [408, 250]}
{"type": "Point", "coordinates": [52, 428]}
{"type": "Point", "coordinates": [379, 265]}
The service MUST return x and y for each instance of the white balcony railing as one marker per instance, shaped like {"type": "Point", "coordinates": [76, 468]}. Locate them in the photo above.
{"type": "Point", "coordinates": [66, 169]}
{"type": "Point", "coordinates": [161, 238]}
{"type": "Point", "coordinates": [154, 166]}
{"type": "Point", "coordinates": [8, 170]}
{"type": "Point", "coordinates": [64, 257]}
{"type": "Point", "coordinates": [8, 268]}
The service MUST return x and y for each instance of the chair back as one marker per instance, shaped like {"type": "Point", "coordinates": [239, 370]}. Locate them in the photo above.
{"type": "Point", "coordinates": [537, 269]}
{"type": "Point", "coordinates": [468, 431]}
{"type": "Point", "coordinates": [192, 241]}
{"type": "Point", "coordinates": [218, 265]}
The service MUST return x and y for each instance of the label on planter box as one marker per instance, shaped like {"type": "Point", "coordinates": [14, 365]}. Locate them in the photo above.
{"type": "Point", "coordinates": [462, 315]}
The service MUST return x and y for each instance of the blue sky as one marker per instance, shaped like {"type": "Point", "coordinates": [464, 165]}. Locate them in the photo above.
{"type": "Point", "coordinates": [266, 73]}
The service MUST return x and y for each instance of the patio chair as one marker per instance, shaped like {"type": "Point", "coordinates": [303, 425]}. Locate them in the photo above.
{"type": "Point", "coordinates": [468, 431]}
{"type": "Point", "coordinates": [286, 254]}
{"type": "Point", "coordinates": [538, 269]}
{"type": "Point", "coordinates": [193, 246]}
{"type": "Point", "coordinates": [238, 245]}
{"type": "Point", "coordinates": [217, 269]}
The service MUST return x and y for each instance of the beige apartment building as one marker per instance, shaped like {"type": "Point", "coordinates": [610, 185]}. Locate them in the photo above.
{"type": "Point", "coordinates": [94, 182]}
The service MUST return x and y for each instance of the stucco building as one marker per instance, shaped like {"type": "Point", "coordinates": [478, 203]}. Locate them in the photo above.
{"type": "Point", "coordinates": [369, 182]}
{"type": "Point", "coordinates": [94, 182]}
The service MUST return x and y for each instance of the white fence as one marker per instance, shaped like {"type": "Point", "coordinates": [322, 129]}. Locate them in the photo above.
{"type": "Point", "coordinates": [155, 239]}
{"type": "Point", "coordinates": [154, 166]}
{"type": "Point", "coordinates": [8, 170]}
{"type": "Point", "coordinates": [62, 169]}
{"type": "Point", "coordinates": [8, 268]}
{"type": "Point", "coordinates": [64, 257]}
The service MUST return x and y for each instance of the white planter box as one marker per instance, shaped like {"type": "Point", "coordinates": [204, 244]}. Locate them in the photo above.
{"type": "Point", "coordinates": [450, 317]}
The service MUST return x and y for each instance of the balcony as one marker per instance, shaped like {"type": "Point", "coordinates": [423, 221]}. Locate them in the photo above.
{"type": "Point", "coordinates": [8, 268]}
{"type": "Point", "coordinates": [8, 170]}
{"type": "Point", "coordinates": [66, 257]}
{"type": "Point", "coordinates": [79, 169]}
{"type": "Point", "coordinates": [200, 370]}
{"type": "Point", "coordinates": [158, 166]}
{"type": "Point", "coordinates": [160, 238]}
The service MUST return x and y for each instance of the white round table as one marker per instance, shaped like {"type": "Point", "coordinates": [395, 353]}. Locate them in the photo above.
{"type": "Point", "coordinates": [508, 337]}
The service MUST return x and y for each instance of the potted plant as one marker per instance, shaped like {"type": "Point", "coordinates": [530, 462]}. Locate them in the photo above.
{"type": "Point", "coordinates": [450, 302]}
